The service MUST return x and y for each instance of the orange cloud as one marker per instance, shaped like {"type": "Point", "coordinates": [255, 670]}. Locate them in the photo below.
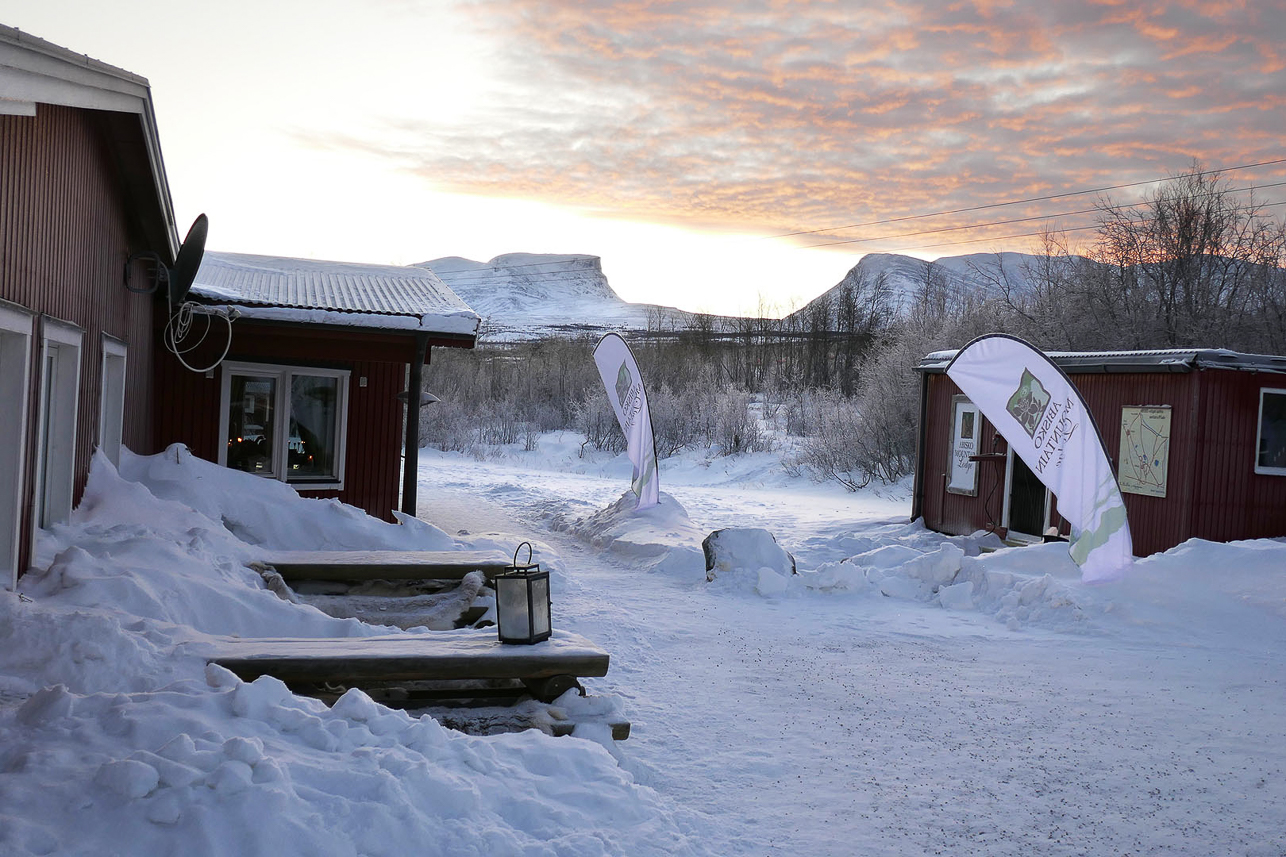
{"type": "Point", "coordinates": [789, 116]}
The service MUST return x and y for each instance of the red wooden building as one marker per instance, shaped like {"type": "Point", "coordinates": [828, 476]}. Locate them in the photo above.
{"type": "Point", "coordinates": [82, 189]}
{"type": "Point", "coordinates": [1197, 439]}
{"type": "Point", "coordinates": [305, 389]}
{"type": "Point", "coordinates": [303, 384]}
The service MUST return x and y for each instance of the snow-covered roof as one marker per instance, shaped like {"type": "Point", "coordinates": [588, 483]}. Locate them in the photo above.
{"type": "Point", "coordinates": [311, 291]}
{"type": "Point", "coordinates": [1157, 360]}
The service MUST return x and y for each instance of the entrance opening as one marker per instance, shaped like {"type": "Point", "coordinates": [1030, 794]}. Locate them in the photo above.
{"type": "Point", "coordinates": [1028, 505]}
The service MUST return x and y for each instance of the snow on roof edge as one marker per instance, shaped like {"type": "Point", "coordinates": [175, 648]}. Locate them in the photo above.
{"type": "Point", "coordinates": [462, 323]}
{"type": "Point", "coordinates": [1171, 359]}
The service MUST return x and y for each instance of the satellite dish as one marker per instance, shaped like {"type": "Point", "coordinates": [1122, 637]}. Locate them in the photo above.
{"type": "Point", "coordinates": [188, 260]}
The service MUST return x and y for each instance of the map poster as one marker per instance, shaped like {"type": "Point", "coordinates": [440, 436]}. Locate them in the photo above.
{"type": "Point", "coordinates": [1145, 450]}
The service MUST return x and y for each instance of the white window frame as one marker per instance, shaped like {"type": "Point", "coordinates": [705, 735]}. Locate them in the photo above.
{"type": "Point", "coordinates": [282, 374]}
{"type": "Point", "coordinates": [55, 473]}
{"type": "Point", "coordinates": [111, 403]}
{"type": "Point", "coordinates": [1259, 432]}
{"type": "Point", "coordinates": [16, 326]}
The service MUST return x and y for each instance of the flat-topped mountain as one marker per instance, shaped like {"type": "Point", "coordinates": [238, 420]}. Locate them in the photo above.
{"type": "Point", "coordinates": [529, 295]}
{"type": "Point", "coordinates": [524, 295]}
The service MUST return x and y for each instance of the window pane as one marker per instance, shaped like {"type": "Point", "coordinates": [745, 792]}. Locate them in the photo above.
{"type": "Point", "coordinates": [314, 411]}
{"type": "Point", "coordinates": [251, 423]}
{"type": "Point", "coordinates": [1272, 430]}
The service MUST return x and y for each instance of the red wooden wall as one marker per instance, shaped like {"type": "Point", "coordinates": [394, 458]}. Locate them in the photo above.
{"type": "Point", "coordinates": [67, 226]}
{"type": "Point", "coordinates": [188, 403]}
{"type": "Point", "coordinates": [1234, 502]}
{"type": "Point", "coordinates": [1212, 491]}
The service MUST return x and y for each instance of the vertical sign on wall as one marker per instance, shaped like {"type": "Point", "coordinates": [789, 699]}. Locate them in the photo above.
{"type": "Point", "coordinates": [965, 427]}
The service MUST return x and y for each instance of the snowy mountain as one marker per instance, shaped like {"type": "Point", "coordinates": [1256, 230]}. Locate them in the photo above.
{"type": "Point", "coordinates": [527, 295]}
{"type": "Point", "coordinates": [905, 276]}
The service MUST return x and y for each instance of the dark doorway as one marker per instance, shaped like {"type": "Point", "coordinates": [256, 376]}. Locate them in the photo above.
{"type": "Point", "coordinates": [1026, 500]}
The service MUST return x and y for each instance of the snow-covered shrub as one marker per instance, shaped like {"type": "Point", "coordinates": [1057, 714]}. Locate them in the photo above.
{"type": "Point", "coordinates": [676, 425]}
{"type": "Point", "coordinates": [447, 425]}
{"type": "Point", "coordinates": [594, 418]}
{"type": "Point", "coordinates": [852, 445]}
{"type": "Point", "coordinates": [735, 427]}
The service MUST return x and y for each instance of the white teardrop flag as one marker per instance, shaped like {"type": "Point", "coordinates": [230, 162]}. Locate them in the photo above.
{"type": "Point", "coordinates": [1035, 407]}
{"type": "Point", "coordinates": [620, 374]}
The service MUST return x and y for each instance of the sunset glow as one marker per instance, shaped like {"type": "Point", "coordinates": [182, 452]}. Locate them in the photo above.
{"type": "Point", "coordinates": [675, 139]}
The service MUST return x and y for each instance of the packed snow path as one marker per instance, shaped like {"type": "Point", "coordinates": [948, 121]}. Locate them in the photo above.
{"type": "Point", "coordinates": [828, 723]}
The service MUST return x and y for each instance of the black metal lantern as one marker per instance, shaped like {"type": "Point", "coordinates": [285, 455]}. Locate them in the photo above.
{"type": "Point", "coordinates": [522, 601]}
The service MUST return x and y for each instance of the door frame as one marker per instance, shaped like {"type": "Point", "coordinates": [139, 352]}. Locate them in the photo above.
{"type": "Point", "coordinates": [1011, 533]}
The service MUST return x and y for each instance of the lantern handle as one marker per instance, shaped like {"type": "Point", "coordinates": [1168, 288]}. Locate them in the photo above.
{"type": "Point", "coordinates": [519, 548]}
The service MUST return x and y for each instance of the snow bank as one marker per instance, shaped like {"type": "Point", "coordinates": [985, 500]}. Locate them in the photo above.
{"type": "Point", "coordinates": [269, 513]}
{"type": "Point", "coordinates": [222, 767]}
{"type": "Point", "coordinates": [661, 538]}
{"type": "Point", "coordinates": [1183, 590]}
{"type": "Point", "coordinates": [1032, 586]}
{"type": "Point", "coordinates": [164, 561]}
{"type": "Point", "coordinates": [114, 740]}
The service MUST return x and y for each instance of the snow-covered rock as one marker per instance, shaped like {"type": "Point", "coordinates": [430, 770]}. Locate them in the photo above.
{"type": "Point", "coordinates": [753, 548]}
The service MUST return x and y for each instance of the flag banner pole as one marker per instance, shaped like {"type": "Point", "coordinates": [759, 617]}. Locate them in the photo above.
{"type": "Point", "coordinates": [624, 383]}
{"type": "Point", "coordinates": [1040, 413]}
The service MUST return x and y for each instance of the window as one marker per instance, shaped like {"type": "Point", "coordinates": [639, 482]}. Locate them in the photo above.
{"type": "Point", "coordinates": [111, 405]}
{"type": "Point", "coordinates": [1270, 446]}
{"type": "Point", "coordinates": [56, 421]}
{"type": "Point", "coordinates": [285, 422]}
{"type": "Point", "coordinates": [15, 378]}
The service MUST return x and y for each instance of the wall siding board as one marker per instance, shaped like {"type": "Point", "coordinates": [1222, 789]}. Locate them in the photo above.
{"type": "Point", "coordinates": [65, 233]}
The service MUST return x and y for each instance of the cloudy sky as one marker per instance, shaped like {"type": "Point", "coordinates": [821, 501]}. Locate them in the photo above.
{"type": "Point", "coordinates": [684, 141]}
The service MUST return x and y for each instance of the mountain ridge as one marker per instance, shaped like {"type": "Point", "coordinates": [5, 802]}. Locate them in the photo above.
{"type": "Point", "coordinates": [529, 295]}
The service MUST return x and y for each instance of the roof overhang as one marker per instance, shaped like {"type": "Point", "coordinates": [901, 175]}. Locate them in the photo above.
{"type": "Point", "coordinates": [457, 330]}
{"type": "Point", "coordinates": [34, 72]}
{"type": "Point", "coordinates": [1159, 361]}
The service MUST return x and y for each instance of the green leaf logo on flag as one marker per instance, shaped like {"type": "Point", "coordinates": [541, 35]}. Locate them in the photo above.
{"type": "Point", "coordinates": [1027, 404]}
{"type": "Point", "coordinates": [623, 383]}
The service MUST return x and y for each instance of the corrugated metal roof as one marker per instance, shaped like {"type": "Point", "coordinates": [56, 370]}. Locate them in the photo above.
{"type": "Point", "coordinates": [1158, 360]}
{"type": "Point", "coordinates": [343, 287]}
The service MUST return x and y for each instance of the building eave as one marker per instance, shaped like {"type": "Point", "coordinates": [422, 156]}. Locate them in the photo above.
{"type": "Point", "coordinates": [34, 71]}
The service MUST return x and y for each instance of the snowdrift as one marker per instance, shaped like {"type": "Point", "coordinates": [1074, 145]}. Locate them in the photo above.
{"type": "Point", "coordinates": [113, 739]}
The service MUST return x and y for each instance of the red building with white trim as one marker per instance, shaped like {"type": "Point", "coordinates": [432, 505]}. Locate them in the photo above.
{"type": "Point", "coordinates": [1197, 438]}
{"type": "Point", "coordinates": [87, 233]}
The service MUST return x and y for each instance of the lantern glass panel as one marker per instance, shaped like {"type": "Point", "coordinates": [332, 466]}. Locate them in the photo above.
{"type": "Point", "coordinates": [540, 606]}
{"type": "Point", "coordinates": [511, 607]}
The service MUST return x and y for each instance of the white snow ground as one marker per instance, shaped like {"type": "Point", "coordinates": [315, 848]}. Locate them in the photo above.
{"type": "Point", "coordinates": [901, 695]}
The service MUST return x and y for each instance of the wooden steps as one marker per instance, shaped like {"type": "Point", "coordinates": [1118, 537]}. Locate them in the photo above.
{"type": "Point", "coordinates": [384, 564]}
{"type": "Point", "coordinates": [442, 670]}
{"type": "Point", "coordinates": [441, 656]}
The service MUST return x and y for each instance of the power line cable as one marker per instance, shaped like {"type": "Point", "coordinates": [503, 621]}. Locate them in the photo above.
{"type": "Point", "coordinates": [1009, 237]}
{"type": "Point", "coordinates": [1023, 201]}
{"type": "Point", "coordinates": [989, 224]}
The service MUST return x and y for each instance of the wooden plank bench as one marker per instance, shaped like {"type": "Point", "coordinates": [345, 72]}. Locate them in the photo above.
{"type": "Point", "coordinates": [384, 564]}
